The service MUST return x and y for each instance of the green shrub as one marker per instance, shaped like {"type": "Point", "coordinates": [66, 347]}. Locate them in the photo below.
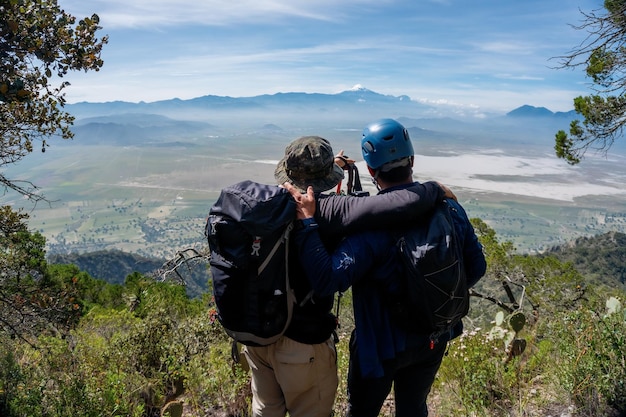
{"type": "Point", "coordinates": [592, 359]}
{"type": "Point", "coordinates": [16, 395]}
{"type": "Point", "coordinates": [473, 373]}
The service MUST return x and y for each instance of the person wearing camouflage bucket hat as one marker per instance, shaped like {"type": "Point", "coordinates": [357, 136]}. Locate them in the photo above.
{"type": "Point", "coordinates": [298, 373]}
{"type": "Point", "coordinates": [309, 160]}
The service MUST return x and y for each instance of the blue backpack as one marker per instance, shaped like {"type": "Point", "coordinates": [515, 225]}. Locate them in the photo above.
{"type": "Point", "coordinates": [248, 234]}
{"type": "Point", "coordinates": [434, 295]}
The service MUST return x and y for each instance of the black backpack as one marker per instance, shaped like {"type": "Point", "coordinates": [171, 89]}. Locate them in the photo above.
{"type": "Point", "coordinates": [434, 295]}
{"type": "Point", "coordinates": [248, 234]}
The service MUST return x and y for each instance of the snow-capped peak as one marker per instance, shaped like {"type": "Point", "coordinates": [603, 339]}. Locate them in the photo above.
{"type": "Point", "coordinates": [358, 87]}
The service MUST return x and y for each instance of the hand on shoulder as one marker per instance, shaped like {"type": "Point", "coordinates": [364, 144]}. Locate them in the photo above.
{"type": "Point", "coordinates": [447, 192]}
{"type": "Point", "coordinates": [305, 202]}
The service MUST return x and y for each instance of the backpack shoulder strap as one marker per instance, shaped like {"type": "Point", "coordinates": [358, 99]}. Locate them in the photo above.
{"type": "Point", "coordinates": [284, 239]}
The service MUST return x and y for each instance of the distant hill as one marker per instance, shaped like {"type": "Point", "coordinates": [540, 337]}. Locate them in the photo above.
{"type": "Point", "coordinates": [601, 258]}
{"type": "Point", "coordinates": [137, 129]}
{"type": "Point", "coordinates": [542, 112]}
{"type": "Point", "coordinates": [114, 266]}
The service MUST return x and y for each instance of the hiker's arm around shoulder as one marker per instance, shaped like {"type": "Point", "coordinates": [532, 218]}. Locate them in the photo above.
{"type": "Point", "coordinates": [447, 192]}
{"type": "Point", "coordinates": [341, 215]}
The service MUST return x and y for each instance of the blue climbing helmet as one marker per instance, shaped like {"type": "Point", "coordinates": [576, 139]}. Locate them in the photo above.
{"type": "Point", "coordinates": [385, 141]}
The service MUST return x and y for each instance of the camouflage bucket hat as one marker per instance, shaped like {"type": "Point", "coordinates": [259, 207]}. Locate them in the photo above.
{"type": "Point", "coordinates": [309, 160]}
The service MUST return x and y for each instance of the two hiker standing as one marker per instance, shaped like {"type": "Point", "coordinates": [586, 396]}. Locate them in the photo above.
{"type": "Point", "coordinates": [382, 351]}
{"type": "Point", "coordinates": [297, 373]}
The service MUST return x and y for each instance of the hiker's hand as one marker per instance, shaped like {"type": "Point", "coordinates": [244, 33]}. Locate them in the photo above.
{"type": "Point", "coordinates": [295, 192]}
{"type": "Point", "coordinates": [342, 160]}
{"type": "Point", "coordinates": [305, 203]}
{"type": "Point", "coordinates": [447, 192]}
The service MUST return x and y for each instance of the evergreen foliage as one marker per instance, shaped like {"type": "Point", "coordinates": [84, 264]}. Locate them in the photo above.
{"type": "Point", "coordinates": [31, 300]}
{"type": "Point", "coordinates": [602, 55]}
{"type": "Point", "coordinates": [39, 43]}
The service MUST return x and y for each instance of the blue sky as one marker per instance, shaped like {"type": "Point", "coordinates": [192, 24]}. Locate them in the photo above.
{"type": "Point", "coordinates": [477, 55]}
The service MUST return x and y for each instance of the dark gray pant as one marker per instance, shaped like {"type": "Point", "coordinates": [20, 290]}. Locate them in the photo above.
{"type": "Point", "coordinates": [412, 374]}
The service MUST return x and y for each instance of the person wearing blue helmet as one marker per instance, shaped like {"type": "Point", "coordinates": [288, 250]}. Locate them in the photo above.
{"type": "Point", "coordinates": [382, 353]}
{"type": "Point", "coordinates": [386, 145]}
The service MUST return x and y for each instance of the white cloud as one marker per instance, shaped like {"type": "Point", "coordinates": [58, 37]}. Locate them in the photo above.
{"type": "Point", "coordinates": [508, 48]}
{"type": "Point", "coordinates": [518, 77]}
{"type": "Point", "coordinates": [145, 13]}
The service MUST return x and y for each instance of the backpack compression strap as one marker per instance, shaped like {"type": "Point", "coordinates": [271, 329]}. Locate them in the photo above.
{"type": "Point", "coordinates": [291, 297]}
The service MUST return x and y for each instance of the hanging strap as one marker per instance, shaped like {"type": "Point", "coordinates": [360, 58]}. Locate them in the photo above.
{"type": "Point", "coordinates": [284, 238]}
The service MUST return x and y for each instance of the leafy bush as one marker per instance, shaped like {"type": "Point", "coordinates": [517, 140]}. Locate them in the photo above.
{"type": "Point", "coordinates": [592, 359]}
{"type": "Point", "coordinates": [126, 363]}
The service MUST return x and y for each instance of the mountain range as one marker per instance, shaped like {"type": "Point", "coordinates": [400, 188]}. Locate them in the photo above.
{"type": "Point", "coordinates": [305, 105]}
{"type": "Point", "coordinates": [173, 120]}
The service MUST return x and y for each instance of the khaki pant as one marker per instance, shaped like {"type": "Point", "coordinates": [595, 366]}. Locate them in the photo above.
{"type": "Point", "coordinates": [293, 377]}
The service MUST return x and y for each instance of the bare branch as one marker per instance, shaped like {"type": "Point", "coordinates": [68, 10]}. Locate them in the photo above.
{"type": "Point", "coordinates": [29, 191]}
{"type": "Point", "coordinates": [185, 257]}
{"type": "Point", "coordinates": [494, 300]}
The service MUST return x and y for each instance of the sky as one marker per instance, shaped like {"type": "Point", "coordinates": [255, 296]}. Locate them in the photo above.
{"type": "Point", "coordinates": [480, 55]}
